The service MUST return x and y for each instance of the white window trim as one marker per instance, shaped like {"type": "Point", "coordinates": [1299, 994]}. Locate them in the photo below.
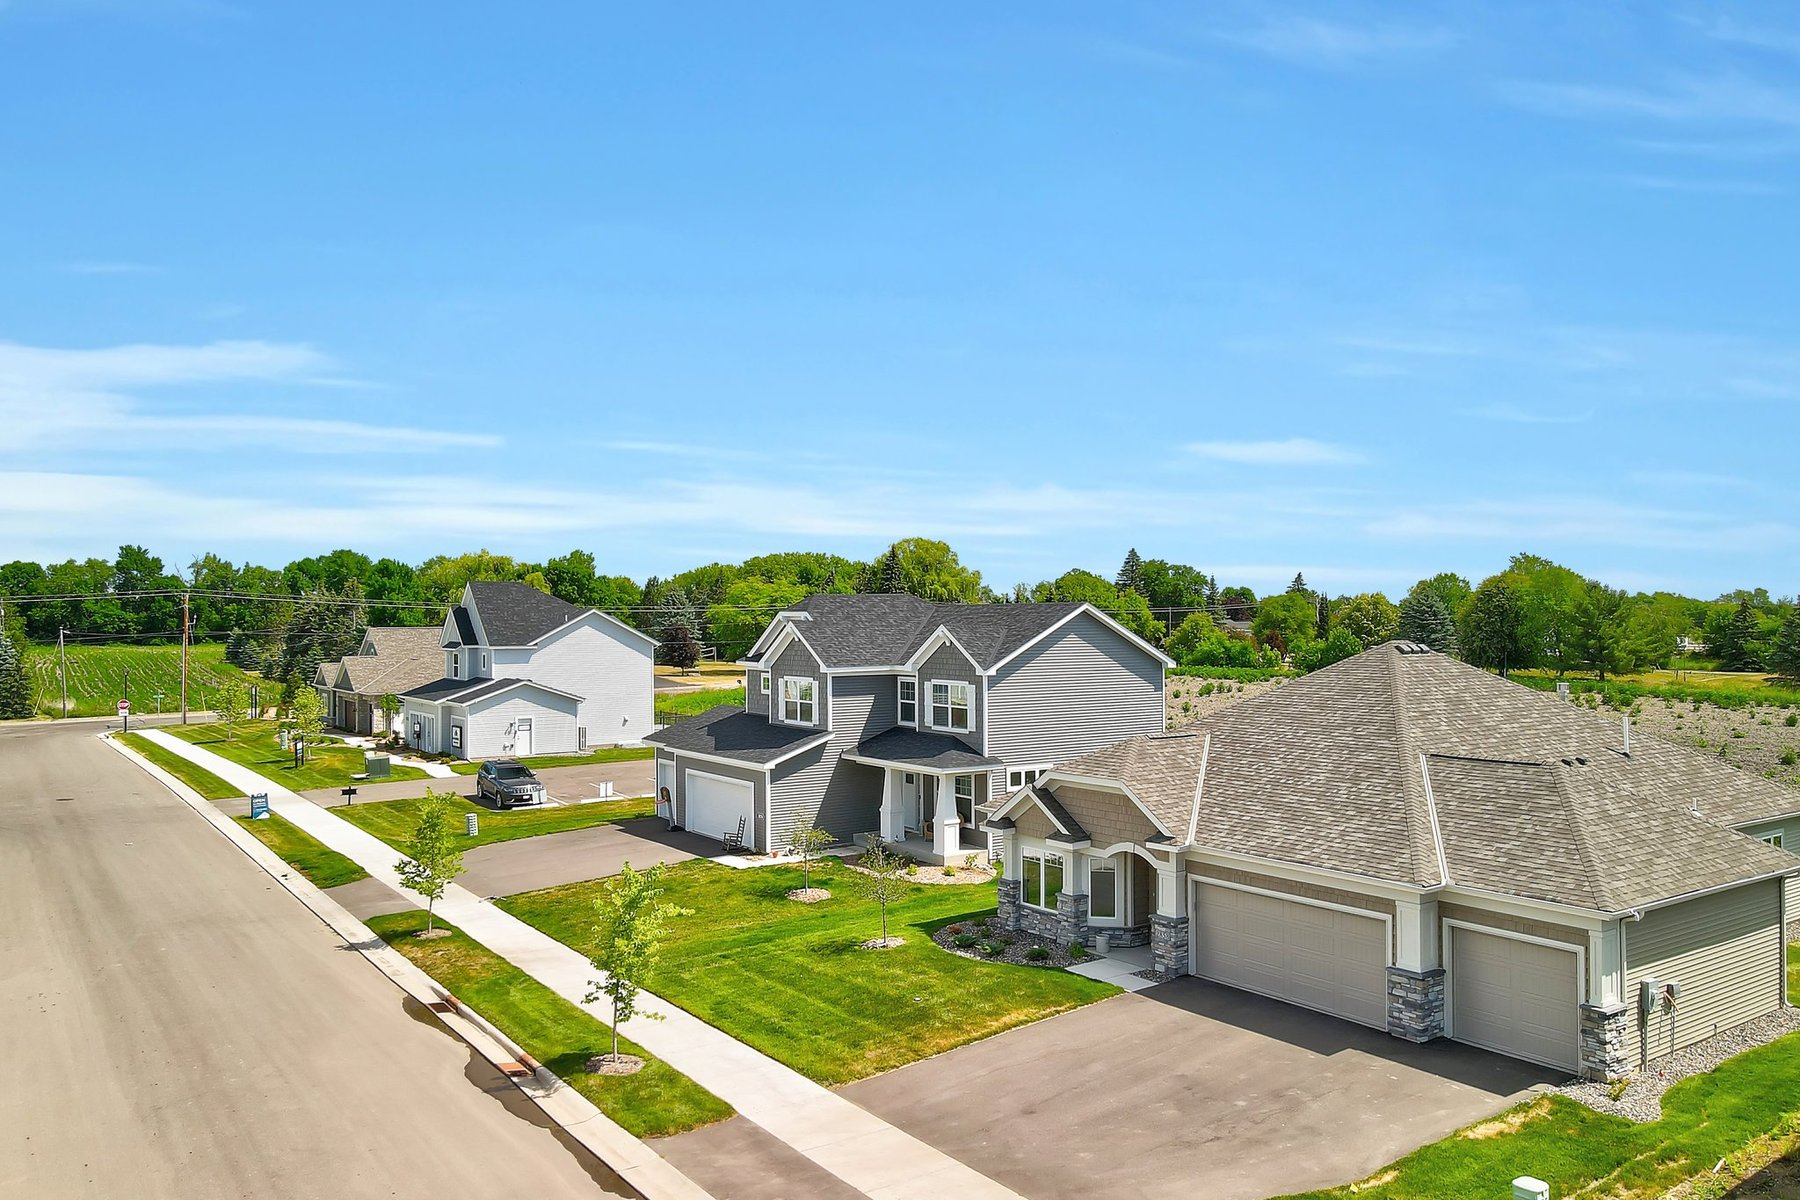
{"type": "Point", "coordinates": [456, 664]}
{"type": "Point", "coordinates": [1044, 857]}
{"type": "Point", "coordinates": [950, 707]}
{"type": "Point", "coordinates": [484, 660]}
{"type": "Point", "coordinates": [1774, 838]}
{"type": "Point", "coordinates": [899, 700]}
{"type": "Point", "coordinates": [1040, 768]}
{"type": "Point", "coordinates": [763, 680]}
{"type": "Point", "coordinates": [813, 703]}
{"type": "Point", "coordinates": [1108, 862]}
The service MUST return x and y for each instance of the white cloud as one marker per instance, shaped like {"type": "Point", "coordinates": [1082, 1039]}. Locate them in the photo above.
{"type": "Point", "coordinates": [1702, 187]}
{"type": "Point", "coordinates": [1781, 41]}
{"type": "Point", "coordinates": [1686, 100]}
{"type": "Point", "coordinates": [1292, 452]}
{"type": "Point", "coordinates": [1584, 521]}
{"type": "Point", "coordinates": [1314, 42]}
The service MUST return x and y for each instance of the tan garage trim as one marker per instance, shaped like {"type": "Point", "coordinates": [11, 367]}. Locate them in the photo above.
{"type": "Point", "coordinates": [1332, 958]}
{"type": "Point", "coordinates": [1514, 994]}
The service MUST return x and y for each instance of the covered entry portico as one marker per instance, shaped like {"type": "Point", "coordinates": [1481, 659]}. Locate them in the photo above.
{"type": "Point", "coordinates": [932, 786]}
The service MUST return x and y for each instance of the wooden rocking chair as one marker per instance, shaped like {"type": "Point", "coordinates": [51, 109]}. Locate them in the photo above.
{"type": "Point", "coordinates": [734, 842]}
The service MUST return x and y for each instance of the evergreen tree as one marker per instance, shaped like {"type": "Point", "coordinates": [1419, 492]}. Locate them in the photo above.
{"type": "Point", "coordinates": [238, 649]}
{"type": "Point", "coordinates": [1425, 620]}
{"type": "Point", "coordinates": [1299, 584]}
{"type": "Point", "coordinates": [1492, 633]}
{"type": "Point", "coordinates": [1131, 573]}
{"type": "Point", "coordinates": [1734, 642]}
{"type": "Point", "coordinates": [15, 685]}
{"type": "Point", "coordinates": [888, 580]}
{"type": "Point", "coordinates": [1784, 655]}
{"type": "Point", "coordinates": [1325, 619]}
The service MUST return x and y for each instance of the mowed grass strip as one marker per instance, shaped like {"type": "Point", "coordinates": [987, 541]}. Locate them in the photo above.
{"type": "Point", "coordinates": [197, 777]}
{"type": "Point", "coordinates": [657, 1100]}
{"type": "Point", "coordinates": [1580, 1152]}
{"type": "Point", "coordinates": [676, 706]}
{"type": "Point", "coordinates": [325, 867]}
{"type": "Point", "coordinates": [393, 821]}
{"type": "Point", "coordinates": [610, 754]}
{"type": "Point", "coordinates": [790, 980]}
{"type": "Point", "coordinates": [253, 745]}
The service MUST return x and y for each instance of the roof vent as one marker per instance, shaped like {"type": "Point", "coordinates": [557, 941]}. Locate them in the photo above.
{"type": "Point", "coordinates": [1581, 760]}
{"type": "Point", "coordinates": [1411, 648]}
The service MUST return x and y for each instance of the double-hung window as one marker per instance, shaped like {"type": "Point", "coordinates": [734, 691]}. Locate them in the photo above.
{"type": "Point", "coordinates": [762, 678]}
{"type": "Point", "coordinates": [797, 705]}
{"type": "Point", "coordinates": [950, 705]}
{"type": "Point", "coordinates": [455, 665]}
{"type": "Point", "coordinates": [909, 702]}
{"type": "Point", "coordinates": [1041, 878]}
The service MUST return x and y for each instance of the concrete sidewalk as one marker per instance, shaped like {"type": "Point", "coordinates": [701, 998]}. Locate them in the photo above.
{"type": "Point", "coordinates": [877, 1159]}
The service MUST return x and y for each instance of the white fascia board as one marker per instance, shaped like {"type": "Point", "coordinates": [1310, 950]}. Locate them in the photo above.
{"type": "Point", "coordinates": [1129, 636]}
{"type": "Point", "coordinates": [577, 619]}
{"type": "Point", "coordinates": [776, 624]}
{"type": "Point", "coordinates": [1105, 785]}
{"type": "Point", "coordinates": [941, 636]}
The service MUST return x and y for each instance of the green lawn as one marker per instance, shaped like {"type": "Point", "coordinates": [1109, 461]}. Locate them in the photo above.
{"type": "Point", "coordinates": [393, 820]}
{"type": "Point", "coordinates": [329, 764]}
{"type": "Point", "coordinates": [610, 754]}
{"type": "Point", "coordinates": [97, 676]}
{"type": "Point", "coordinates": [1578, 1151]}
{"type": "Point", "coordinates": [657, 1100]}
{"type": "Point", "coordinates": [325, 867]}
{"type": "Point", "coordinates": [790, 979]}
{"type": "Point", "coordinates": [673, 706]}
{"type": "Point", "coordinates": [197, 777]}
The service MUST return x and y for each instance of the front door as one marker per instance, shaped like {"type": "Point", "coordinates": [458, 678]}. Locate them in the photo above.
{"type": "Point", "coordinates": [912, 814]}
{"type": "Point", "coordinates": [522, 738]}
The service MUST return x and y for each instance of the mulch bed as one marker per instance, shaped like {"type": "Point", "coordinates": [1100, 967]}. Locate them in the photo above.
{"type": "Point", "coordinates": [614, 1064]}
{"type": "Point", "coordinates": [809, 895]}
{"type": "Point", "coordinates": [1014, 947]}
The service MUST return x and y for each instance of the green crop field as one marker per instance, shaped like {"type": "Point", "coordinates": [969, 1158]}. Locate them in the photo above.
{"type": "Point", "coordinates": [97, 678]}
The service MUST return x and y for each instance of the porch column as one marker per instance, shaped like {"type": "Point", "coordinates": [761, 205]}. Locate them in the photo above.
{"type": "Point", "coordinates": [1012, 867]}
{"type": "Point", "coordinates": [1415, 982]}
{"type": "Point", "coordinates": [890, 830]}
{"type": "Point", "coordinates": [946, 832]}
{"type": "Point", "coordinates": [1169, 924]}
{"type": "Point", "coordinates": [1606, 1017]}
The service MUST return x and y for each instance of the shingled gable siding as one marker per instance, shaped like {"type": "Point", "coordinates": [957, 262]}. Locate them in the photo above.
{"type": "Point", "coordinates": [820, 786]}
{"type": "Point", "coordinates": [1030, 822]}
{"type": "Point", "coordinates": [757, 837]}
{"type": "Point", "coordinates": [797, 662]}
{"type": "Point", "coordinates": [1726, 952]}
{"type": "Point", "coordinates": [1081, 689]}
{"type": "Point", "coordinates": [1295, 888]}
{"type": "Point", "coordinates": [1108, 817]}
{"type": "Point", "coordinates": [949, 663]}
{"type": "Point", "coordinates": [758, 701]}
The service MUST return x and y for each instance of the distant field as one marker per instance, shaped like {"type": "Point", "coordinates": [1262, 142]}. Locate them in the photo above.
{"type": "Point", "coordinates": [97, 678]}
{"type": "Point", "coordinates": [677, 706]}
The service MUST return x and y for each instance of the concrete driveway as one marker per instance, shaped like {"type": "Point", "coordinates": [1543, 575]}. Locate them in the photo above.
{"type": "Point", "coordinates": [1189, 1089]}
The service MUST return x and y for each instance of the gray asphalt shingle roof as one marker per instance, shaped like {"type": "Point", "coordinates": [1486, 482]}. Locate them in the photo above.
{"type": "Point", "coordinates": [1533, 796]}
{"type": "Point", "coordinates": [729, 732]}
{"type": "Point", "coordinates": [928, 751]}
{"type": "Point", "coordinates": [881, 630]}
{"type": "Point", "coordinates": [513, 614]}
{"type": "Point", "coordinates": [465, 627]}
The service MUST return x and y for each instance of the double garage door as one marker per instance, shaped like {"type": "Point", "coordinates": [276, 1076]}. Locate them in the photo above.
{"type": "Point", "coordinates": [716, 804]}
{"type": "Point", "coordinates": [1307, 954]}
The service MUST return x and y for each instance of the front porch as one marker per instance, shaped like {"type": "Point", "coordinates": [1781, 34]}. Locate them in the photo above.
{"type": "Point", "coordinates": [932, 787]}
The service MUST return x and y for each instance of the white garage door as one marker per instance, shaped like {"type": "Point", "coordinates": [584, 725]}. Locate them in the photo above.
{"type": "Point", "coordinates": [1514, 997]}
{"type": "Point", "coordinates": [1322, 958]}
{"type": "Point", "coordinates": [715, 804]}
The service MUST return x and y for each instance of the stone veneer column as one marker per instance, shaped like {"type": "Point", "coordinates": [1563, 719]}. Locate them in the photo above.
{"type": "Point", "coordinates": [1071, 918]}
{"type": "Point", "coordinates": [1009, 903]}
{"type": "Point", "coordinates": [1415, 1003]}
{"type": "Point", "coordinates": [1169, 944]}
{"type": "Point", "coordinates": [1604, 1052]}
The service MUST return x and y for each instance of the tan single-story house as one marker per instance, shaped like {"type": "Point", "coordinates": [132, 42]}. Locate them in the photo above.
{"type": "Point", "coordinates": [1413, 844]}
{"type": "Point", "coordinates": [391, 660]}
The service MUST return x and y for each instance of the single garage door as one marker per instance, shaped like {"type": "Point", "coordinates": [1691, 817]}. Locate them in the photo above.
{"type": "Point", "coordinates": [1322, 958]}
{"type": "Point", "coordinates": [715, 805]}
{"type": "Point", "coordinates": [1515, 997]}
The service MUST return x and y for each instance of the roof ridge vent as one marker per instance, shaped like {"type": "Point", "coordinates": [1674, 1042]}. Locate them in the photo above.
{"type": "Point", "coordinates": [1411, 648]}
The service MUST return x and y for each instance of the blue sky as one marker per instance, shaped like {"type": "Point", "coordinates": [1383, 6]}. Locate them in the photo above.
{"type": "Point", "coordinates": [1369, 291]}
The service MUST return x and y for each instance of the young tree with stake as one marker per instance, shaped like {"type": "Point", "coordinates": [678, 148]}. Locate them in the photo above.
{"type": "Point", "coordinates": [634, 918]}
{"type": "Point", "coordinates": [884, 881]}
{"type": "Point", "coordinates": [433, 860]}
{"type": "Point", "coordinates": [807, 842]}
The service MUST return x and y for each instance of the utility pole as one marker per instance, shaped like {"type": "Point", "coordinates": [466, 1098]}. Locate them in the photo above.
{"type": "Point", "coordinates": [62, 670]}
{"type": "Point", "coordinates": [185, 598]}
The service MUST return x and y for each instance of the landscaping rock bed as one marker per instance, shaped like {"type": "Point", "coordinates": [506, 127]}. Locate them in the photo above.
{"type": "Point", "coordinates": [1757, 739]}
{"type": "Point", "coordinates": [1188, 698]}
{"type": "Point", "coordinates": [886, 943]}
{"type": "Point", "coordinates": [930, 874]}
{"type": "Point", "coordinates": [809, 895]}
{"type": "Point", "coordinates": [1014, 947]}
{"type": "Point", "coordinates": [614, 1064]}
{"type": "Point", "coordinates": [1642, 1098]}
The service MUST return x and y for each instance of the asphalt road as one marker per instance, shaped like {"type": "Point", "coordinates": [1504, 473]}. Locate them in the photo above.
{"type": "Point", "coordinates": [176, 1025]}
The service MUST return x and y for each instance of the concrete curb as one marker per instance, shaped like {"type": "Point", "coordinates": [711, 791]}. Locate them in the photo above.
{"type": "Point", "coordinates": [642, 1168]}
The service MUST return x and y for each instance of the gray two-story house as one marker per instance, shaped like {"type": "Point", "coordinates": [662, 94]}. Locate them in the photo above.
{"type": "Point", "coordinates": [896, 717]}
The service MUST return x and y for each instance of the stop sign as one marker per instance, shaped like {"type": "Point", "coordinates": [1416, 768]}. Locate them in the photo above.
{"type": "Point", "coordinates": [124, 708]}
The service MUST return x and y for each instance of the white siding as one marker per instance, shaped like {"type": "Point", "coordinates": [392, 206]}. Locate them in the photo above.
{"type": "Point", "coordinates": [610, 669]}
{"type": "Point", "coordinates": [488, 733]}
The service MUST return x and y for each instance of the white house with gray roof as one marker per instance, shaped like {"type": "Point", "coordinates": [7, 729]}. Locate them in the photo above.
{"type": "Point", "coordinates": [1411, 843]}
{"type": "Point", "coordinates": [896, 717]}
{"type": "Point", "coordinates": [526, 673]}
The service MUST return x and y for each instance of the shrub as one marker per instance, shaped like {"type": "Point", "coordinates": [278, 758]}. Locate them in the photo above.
{"type": "Point", "coordinates": [1792, 721]}
{"type": "Point", "coordinates": [991, 948]}
{"type": "Point", "coordinates": [1788, 757]}
{"type": "Point", "coordinates": [963, 941]}
{"type": "Point", "coordinates": [1077, 950]}
{"type": "Point", "coordinates": [949, 871]}
{"type": "Point", "coordinates": [1037, 954]}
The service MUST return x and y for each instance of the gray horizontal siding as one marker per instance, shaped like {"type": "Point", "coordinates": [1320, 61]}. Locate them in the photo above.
{"type": "Point", "coordinates": [1726, 952]}
{"type": "Point", "coordinates": [758, 837]}
{"type": "Point", "coordinates": [820, 787]}
{"type": "Point", "coordinates": [1081, 689]}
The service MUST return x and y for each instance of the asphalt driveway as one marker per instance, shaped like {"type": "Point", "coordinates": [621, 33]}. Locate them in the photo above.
{"type": "Point", "coordinates": [1189, 1089]}
{"type": "Point", "coordinates": [568, 785]}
